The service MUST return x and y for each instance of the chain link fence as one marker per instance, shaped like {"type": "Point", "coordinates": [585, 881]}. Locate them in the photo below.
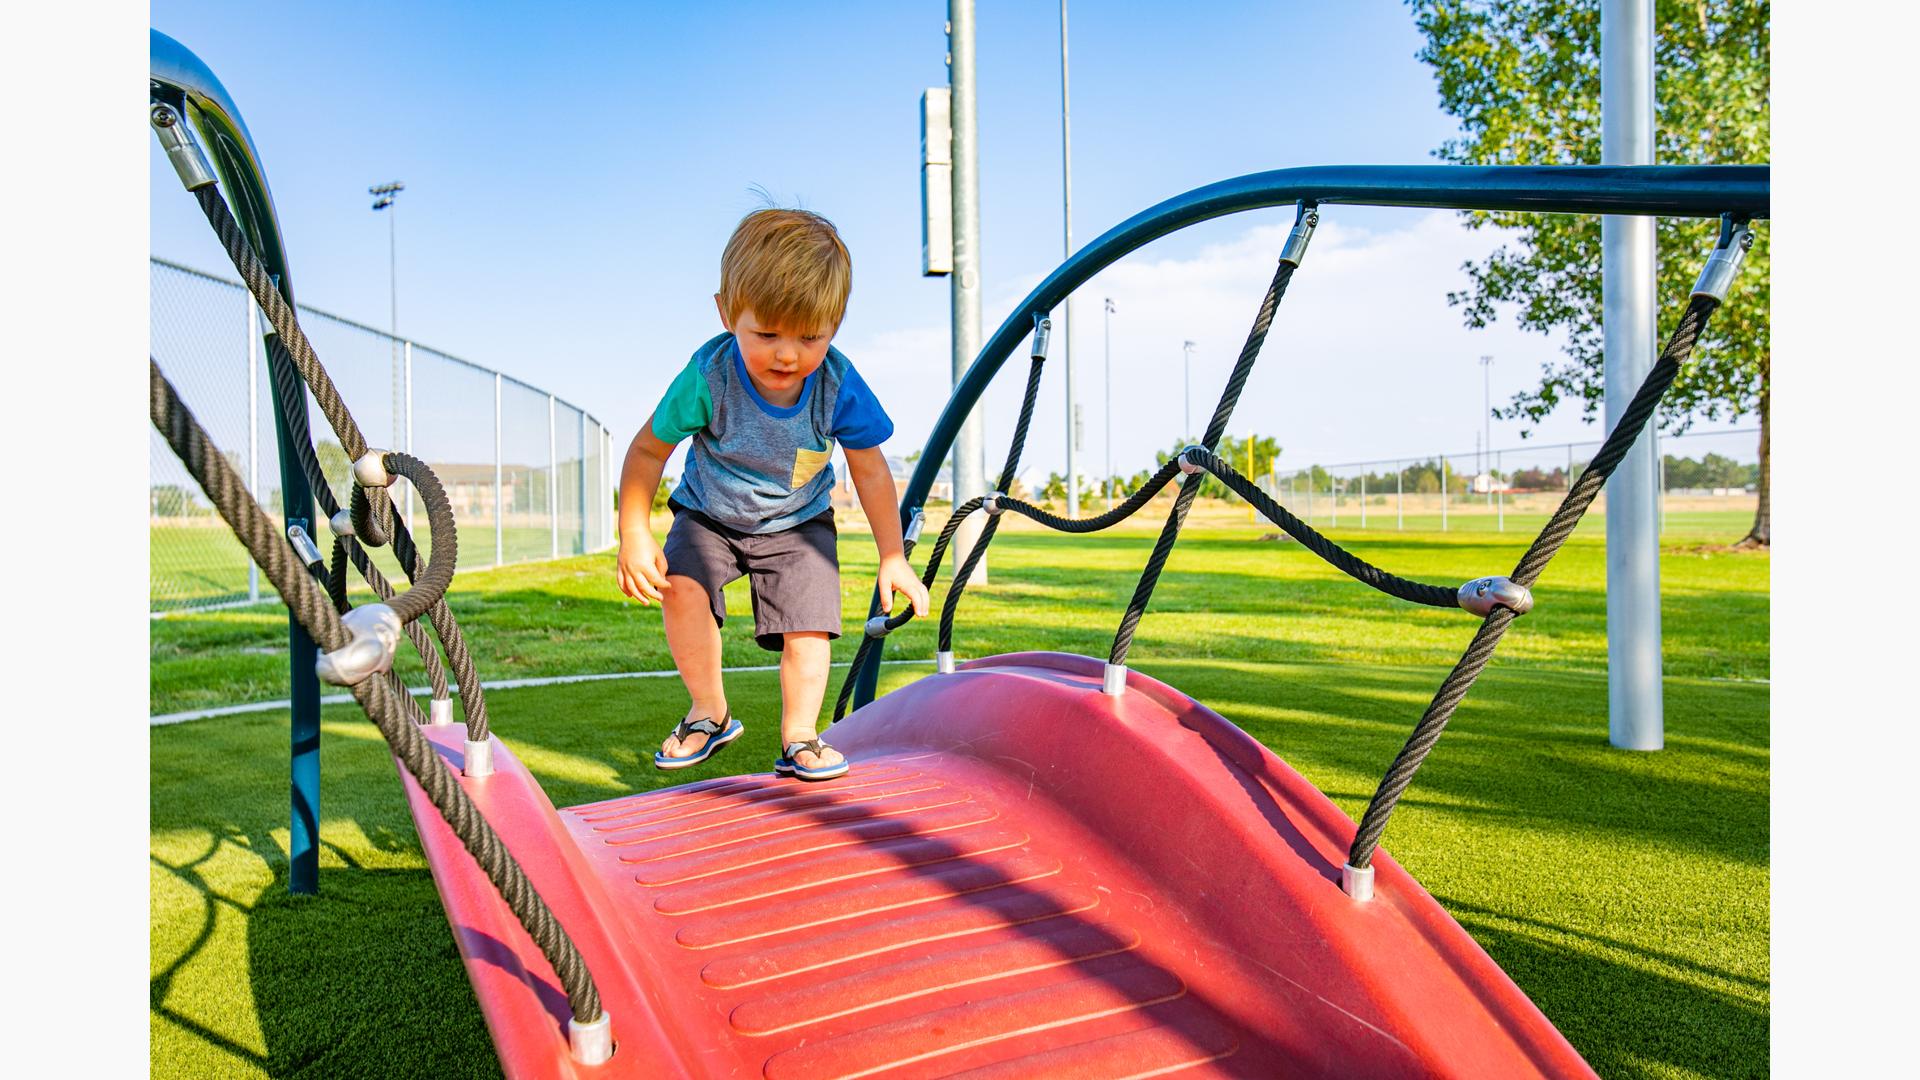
{"type": "Point", "coordinates": [1706, 479]}
{"type": "Point", "coordinates": [530, 476]}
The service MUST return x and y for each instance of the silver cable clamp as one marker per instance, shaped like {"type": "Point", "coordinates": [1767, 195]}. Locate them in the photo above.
{"type": "Point", "coordinates": [374, 630]}
{"type": "Point", "coordinates": [591, 1043]}
{"type": "Point", "coordinates": [1357, 881]}
{"type": "Point", "coordinates": [990, 502]}
{"type": "Point", "coordinates": [1736, 236]}
{"type": "Point", "coordinates": [176, 138]}
{"type": "Point", "coordinates": [1187, 464]}
{"type": "Point", "coordinates": [877, 627]}
{"type": "Point", "coordinates": [1113, 679]}
{"type": "Point", "coordinates": [1295, 249]}
{"type": "Point", "coordinates": [341, 523]}
{"type": "Point", "coordinates": [914, 525]}
{"type": "Point", "coordinates": [303, 545]}
{"type": "Point", "coordinates": [1042, 329]}
{"type": "Point", "coordinates": [371, 470]}
{"type": "Point", "coordinates": [1482, 595]}
{"type": "Point", "coordinates": [943, 662]}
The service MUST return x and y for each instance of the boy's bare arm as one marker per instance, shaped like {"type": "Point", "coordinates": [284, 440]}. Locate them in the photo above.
{"type": "Point", "coordinates": [873, 483]}
{"type": "Point", "coordinates": [642, 567]}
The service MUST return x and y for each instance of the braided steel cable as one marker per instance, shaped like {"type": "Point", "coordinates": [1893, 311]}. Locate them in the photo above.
{"type": "Point", "coordinates": [905, 615]}
{"type": "Point", "coordinates": [950, 606]}
{"type": "Point", "coordinates": [289, 390]}
{"type": "Point", "coordinates": [1190, 488]}
{"type": "Point", "coordinates": [1433, 722]}
{"type": "Point", "coordinates": [344, 549]}
{"type": "Point", "coordinates": [1340, 558]}
{"type": "Point", "coordinates": [310, 604]}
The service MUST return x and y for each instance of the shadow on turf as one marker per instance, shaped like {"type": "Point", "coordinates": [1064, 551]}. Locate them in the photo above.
{"type": "Point", "coordinates": [317, 966]}
{"type": "Point", "coordinates": [1621, 1016]}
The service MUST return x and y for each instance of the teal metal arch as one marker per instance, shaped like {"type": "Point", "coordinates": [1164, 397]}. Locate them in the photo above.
{"type": "Point", "coordinates": [179, 78]}
{"type": "Point", "coordinates": [1658, 190]}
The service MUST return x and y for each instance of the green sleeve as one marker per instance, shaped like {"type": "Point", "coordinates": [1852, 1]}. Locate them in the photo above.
{"type": "Point", "coordinates": [686, 407]}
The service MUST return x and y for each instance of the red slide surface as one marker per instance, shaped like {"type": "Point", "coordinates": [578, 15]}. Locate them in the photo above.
{"type": "Point", "coordinates": [1021, 876]}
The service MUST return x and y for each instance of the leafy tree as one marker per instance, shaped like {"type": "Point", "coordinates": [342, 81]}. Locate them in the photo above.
{"type": "Point", "coordinates": [661, 493]}
{"type": "Point", "coordinates": [1523, 78]}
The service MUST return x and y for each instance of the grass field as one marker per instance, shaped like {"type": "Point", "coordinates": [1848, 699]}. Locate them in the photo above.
{"type": "Point", "coordinates": [1626, 893]}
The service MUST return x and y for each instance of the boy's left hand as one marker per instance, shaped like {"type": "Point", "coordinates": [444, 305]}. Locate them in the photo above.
{"type": "Point", "coordinates": [896, 575]}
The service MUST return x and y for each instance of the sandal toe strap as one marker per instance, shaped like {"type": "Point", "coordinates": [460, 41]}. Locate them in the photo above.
{"type": "Point", "coordinates": [816, 746]}
{"type": "Point", "coordinates": [706, 725]}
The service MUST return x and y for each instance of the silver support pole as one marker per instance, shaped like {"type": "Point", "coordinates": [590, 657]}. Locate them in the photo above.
{"type": "Point", "coordinates": [1066, 251]}
{"type": "Point", "coordinates": [253, 431]}
{"type": "Point", "coordinates": [408, 443]}
{"type": "Point", "coordinates": [1500, 497]}
{"type": "Point", "coordinates": [1635, 720]}
{"type": "Point", "coordinates": [499, 509]}
{"type": "Point", "coordinates": [553, 486]}
{"type": "Point", "coordinates": [970, 448]}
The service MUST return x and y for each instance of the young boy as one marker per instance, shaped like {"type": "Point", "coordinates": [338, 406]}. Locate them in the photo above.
{"type": "Point", "coordinates": [764, 404]}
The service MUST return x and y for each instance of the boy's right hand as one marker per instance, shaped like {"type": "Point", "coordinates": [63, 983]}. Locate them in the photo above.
{"type": "Point", "coordinates": [642, 568]}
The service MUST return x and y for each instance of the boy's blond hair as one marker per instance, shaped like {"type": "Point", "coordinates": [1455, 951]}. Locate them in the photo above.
{"type": "Point", "coordinates": [790, 268]}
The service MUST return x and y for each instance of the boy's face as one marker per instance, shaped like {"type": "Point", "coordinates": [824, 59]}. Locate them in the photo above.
{"type": "Point", "coordinates": [778, 359]}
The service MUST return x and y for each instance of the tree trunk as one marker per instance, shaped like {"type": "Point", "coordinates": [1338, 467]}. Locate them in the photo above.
{"type": "Point", "coordinates": [1760, 535]}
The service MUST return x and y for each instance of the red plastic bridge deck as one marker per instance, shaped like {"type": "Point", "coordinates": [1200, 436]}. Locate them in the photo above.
{"type": "Point", "coordinates": [1021, 876]}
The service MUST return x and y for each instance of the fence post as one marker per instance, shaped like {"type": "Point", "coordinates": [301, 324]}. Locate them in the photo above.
{"type": "Point", "coordinates": [553, 486]}
{"type": "Point", "coordinates": [1333, 491]}
{"type": "Point", "coordinates": [1363, 500]}
{"type": "Point", "coordinates": [499, 507]}
{"type": "Point", "coordinates": [1399, 495]}
{"type": "Point", "coordinates": [1443, 493]}
{"type": "Point", "coordinates": [408, 361]}
{"type": "Point", "coordinates": [253, 432]}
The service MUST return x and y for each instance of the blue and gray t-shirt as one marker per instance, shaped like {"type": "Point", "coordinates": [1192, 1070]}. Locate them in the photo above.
{"type": "Point", "coordinates": [758, 467]}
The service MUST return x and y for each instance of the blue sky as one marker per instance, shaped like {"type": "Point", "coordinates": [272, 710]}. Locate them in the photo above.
{"type": "Point", "coordinates": [572, 175]}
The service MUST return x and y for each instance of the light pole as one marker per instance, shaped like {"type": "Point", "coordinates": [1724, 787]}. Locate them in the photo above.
{"type": "Point", "coordinates": [1107, 336]}
{"type": "Point", "coordinates": [383, 197]}
{"type": "Point", "coordinates": [1486, 409]}
{"type": "Point", "coordinates": [1186, 389]}
{"type": "Point", "coordinates": [1066, 251]}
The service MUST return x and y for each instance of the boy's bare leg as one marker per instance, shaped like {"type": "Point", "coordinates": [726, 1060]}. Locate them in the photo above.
{"type": "Point", "coordinates": [804, 662]}
{"type": "Point", "coordinates": [694, 641]}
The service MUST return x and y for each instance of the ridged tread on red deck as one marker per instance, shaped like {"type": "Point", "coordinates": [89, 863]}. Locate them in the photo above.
{"type": "Point", "coordinates": [1020, 876]}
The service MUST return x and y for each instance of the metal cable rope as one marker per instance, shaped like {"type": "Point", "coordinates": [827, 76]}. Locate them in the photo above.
{"type": "Point", "coordinates": [1015, 448]}
{"type": "Point", "coordinates": [311, 605]}
{"type": "Point", "coordinates": [1480, 650]}
{"type": "Point", "coordinates": [1190, 488]}
{"type": "Point", "coordinates": [345, 549]}
{"type": "Point", "coordinates": [1348, 563]}
{"type": "Point", "coordinates": [290, 389]}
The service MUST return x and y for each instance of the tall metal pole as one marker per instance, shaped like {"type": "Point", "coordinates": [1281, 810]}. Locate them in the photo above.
{"type": "Point", "coordinates": [970, 447]}
{"type": "Point", "coordinates": [253, 430]}
{"type": "Point", "coordinates": [1486, 416]}
{"type": "Point", "coordinates": [385, 196]}
{"type": "Point", "coordinates": [1066, 251]}
{"type": "Point", "coordinates": [1635, 720]}
{"type": "Point", "coordinates": [1107, 341]}
{"type": "Point", "coordinates": [1186, 389]}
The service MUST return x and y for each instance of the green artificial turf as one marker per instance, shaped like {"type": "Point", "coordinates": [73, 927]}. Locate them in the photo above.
{"type": "Point", "coordinates": [1626, 893]}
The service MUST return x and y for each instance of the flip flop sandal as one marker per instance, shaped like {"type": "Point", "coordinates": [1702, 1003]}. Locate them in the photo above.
{"type": "Point", "coordinates": [718, 735]}
{"type": "Point", "coordinates": [787, 766]}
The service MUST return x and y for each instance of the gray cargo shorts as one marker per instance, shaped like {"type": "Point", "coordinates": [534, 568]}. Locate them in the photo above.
{"type": "Point", "coordinates": [794, 573]}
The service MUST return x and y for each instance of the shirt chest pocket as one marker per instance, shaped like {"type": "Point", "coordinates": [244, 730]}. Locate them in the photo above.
{"type": "Point", "coordinates": [807, 464]}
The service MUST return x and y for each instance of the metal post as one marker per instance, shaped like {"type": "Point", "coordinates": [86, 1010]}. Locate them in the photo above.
{"type": "Point", "coordinates": [1066, 251]}
{"type": "Point", "coordinates": [1399, 495]}
{"type": "Point", "coordinates": [553, 486]}
{"type": "Point", "coordinates": [1107, 338]}
{"type": "Point", "coordinates": [1486, 410]}
{"type": "Point", "coordinates": [1443, 493]}
{"type": "Point", "coordinates": [253, 431]}
{"type": "Point", "coordinates": [409, 429]}
{"type": "Point", "coordinates": [970, 447]}
{"type": "Point", "coordinates": [1363, 500]}
{"type": "Point", "coordinates": [1635, 717]}
{"type": "Point", "coordinates": [499, 509]}
{"type": "Point", "coordinates": [1501, 498]}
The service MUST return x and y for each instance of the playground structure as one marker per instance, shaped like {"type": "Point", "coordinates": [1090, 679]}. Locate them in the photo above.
{"type": "Point", "coordinates": [992, 889]}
